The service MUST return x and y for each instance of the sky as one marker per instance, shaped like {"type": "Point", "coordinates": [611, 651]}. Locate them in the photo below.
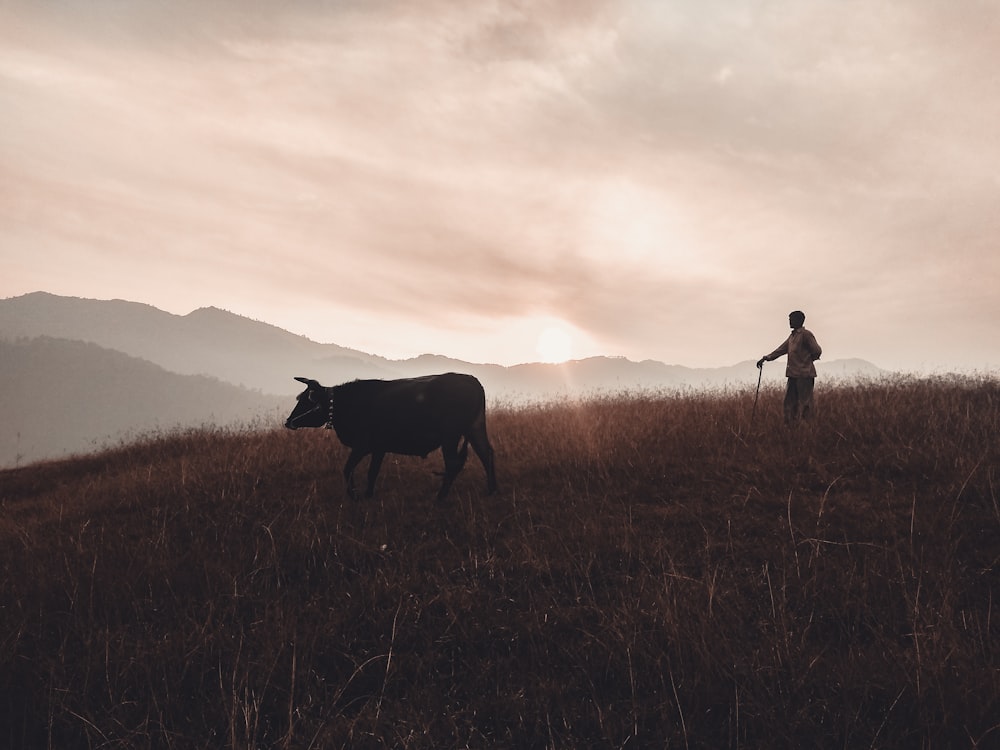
{"type": "Point", "coordinates": [518, 181]}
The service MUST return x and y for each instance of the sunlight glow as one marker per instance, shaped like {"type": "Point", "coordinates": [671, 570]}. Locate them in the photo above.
{"type": "Point", "coordinates": [554, 345]}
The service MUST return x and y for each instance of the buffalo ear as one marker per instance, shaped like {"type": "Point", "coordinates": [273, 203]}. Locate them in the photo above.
{"type": "Point", "coordinates": [313, 387]}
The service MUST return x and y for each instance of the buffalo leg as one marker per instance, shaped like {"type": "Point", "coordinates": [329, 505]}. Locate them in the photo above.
{"type": "Point", "coordinates": [352, 463]}
{"type": "Point", "coordinates": [452, 465]}
{"type": "Point", "coordinates": [481, 445]}
{"type": "Point", "coordinates": [373, 468]}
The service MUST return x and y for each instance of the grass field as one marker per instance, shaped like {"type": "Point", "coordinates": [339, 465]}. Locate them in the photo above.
{"type": "Point", "coordinates": [654, 572]}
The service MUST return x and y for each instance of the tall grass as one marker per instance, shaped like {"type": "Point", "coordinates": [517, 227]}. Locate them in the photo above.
{"type": "Point", "coordinates": [655, 572]}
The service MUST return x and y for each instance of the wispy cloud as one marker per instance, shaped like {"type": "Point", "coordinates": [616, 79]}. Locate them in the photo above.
{"type": "Point", "coordinates": [667, 179]}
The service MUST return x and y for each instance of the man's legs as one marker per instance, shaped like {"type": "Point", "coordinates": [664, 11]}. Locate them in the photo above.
{"type": "Point", "coordinates": [806, 407]}
{"type": "Point", "coordinates": [791, 401]}
{"type": "Point", "coordinates": [799, 399]}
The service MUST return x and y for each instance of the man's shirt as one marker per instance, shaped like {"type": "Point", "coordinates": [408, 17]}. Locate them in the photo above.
{"type": "Point", "coordinates": [802, 349]}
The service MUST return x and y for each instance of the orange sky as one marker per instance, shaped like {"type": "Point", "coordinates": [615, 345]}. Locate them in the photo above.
{"type": "Point", "coordinates": [659, 181]}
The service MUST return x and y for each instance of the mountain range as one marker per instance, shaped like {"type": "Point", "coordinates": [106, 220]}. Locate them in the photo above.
{"type": "Point", "coordinates": [77, 374]}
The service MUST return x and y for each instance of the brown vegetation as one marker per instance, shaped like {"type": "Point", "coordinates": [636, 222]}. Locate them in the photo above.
{"type": "Point", "coordinates": [655, 572]}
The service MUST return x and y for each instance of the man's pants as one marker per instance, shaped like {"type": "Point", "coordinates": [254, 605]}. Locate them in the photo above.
{"type": "Point", "coordinates": [799, 399]}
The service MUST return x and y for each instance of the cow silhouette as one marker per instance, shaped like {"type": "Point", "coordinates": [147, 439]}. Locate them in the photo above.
{"type": "Point", "coordinates": [410, 416]}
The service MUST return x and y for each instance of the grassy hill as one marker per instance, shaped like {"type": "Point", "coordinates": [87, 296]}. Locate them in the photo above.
{"type": "Point", "coordinates": [655, 572]}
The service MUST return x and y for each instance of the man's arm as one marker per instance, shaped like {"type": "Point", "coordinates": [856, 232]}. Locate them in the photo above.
{"type": "Point", "coordinates": [813, 345]}
{"type": "Point", "coordinates": [781, 350]}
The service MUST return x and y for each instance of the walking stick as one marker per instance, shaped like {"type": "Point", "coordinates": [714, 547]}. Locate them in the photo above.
{"type": "Point", "coordinates": [756, 395]}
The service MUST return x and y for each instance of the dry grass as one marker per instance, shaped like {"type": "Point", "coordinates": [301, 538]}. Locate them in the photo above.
{"type": "Point", "coordinates": [655, 572]}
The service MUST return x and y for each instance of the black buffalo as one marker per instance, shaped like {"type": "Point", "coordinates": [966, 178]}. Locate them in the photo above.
{"type": "Point", "coordinates": [412, 416]}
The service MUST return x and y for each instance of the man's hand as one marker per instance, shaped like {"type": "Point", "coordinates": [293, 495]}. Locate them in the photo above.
{"type": "Point", "coordinates": [760, 362]}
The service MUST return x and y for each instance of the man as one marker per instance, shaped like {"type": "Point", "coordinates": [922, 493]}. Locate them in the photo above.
{"type": "Point", "coordinates": [802, 351]}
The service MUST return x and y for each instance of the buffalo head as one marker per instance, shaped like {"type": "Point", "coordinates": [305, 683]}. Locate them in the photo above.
{"type": "Point", "coordinates": [312, 407]}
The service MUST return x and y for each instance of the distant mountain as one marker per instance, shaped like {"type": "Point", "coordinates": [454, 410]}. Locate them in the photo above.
{"type": "Point", "coordinates": [75, 373]}
{"type": "Point", "coordinates": [207, 341]}
{"type": "Point", "coordinates": [257, 355]}
{"type": "Point", "coordinates": [60, 397]}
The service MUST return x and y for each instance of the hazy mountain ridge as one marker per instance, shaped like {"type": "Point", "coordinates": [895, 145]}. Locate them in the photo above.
{"type": "Point", "coordinates": [61, 397]}
{"type": "Point", "coordinates": [76, 373]}
{"type": "Point", "coordinates": [258, 355]}
{"type": "Point", "coordinates": [207, 341]}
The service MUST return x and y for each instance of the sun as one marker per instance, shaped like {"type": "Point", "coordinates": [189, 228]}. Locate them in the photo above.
{"type": "Point", "coordinates": [554, 345]}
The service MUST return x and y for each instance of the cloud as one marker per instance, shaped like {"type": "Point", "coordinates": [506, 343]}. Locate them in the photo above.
{"type": "Point", "coordinates": [665, 178]}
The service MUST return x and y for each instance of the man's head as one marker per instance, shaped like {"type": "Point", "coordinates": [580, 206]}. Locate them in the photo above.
{"type": "Point", "coordinates": [796, 319]}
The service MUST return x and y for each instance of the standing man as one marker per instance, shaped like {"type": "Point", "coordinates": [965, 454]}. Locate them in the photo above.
{"type": "Point", "coordinates": [802, 350]}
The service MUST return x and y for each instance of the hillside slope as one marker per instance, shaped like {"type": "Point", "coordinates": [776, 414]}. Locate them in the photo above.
{"type": "Point", "coordinates": [61, 397]}
{"type": "Point", "coordinates": [207, 341]}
